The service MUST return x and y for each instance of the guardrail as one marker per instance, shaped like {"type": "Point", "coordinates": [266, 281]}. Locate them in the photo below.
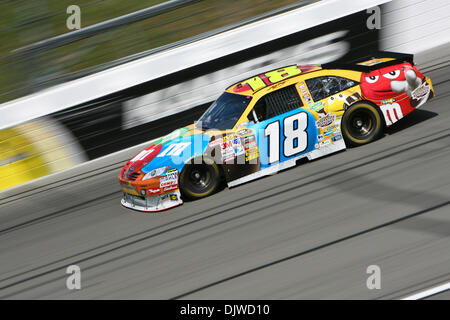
{"type": "Point", "coordinates": [87, 51]}
{"type": "Point", "coordinates": [191, 39]}
{"type": "Point", "coordinates": [89, 31]}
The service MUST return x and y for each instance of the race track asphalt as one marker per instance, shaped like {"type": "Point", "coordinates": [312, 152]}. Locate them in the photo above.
{"type": "Point", "coordinates": [307, 232]}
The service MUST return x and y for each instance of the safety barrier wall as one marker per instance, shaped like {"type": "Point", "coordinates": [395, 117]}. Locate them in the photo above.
{"type": "Point", "coordinates": [140, 100]}
{"type": "Point", "coordinates": [421, 27]}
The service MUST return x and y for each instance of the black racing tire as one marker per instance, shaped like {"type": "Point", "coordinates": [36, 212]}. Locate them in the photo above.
{"type": "Point", "coordinates": [361, 123]}
{"type": "Point", "coordinates": [199, 180]}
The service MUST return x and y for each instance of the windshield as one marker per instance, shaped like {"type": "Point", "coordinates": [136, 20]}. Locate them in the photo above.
{"type": "Point", "coordinates": [224, 112]}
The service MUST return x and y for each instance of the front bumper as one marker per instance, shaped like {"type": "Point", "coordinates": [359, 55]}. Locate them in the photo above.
{"type": "Point", "coordinates": [154, 203]}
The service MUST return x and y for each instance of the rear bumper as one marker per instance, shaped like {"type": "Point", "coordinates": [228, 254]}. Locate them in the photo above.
{"type": "Point", "coordinates": [423, 93]}
{"type": "Point", "coordinates": [154, 203]}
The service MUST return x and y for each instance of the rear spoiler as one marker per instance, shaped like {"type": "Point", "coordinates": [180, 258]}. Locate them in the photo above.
{"type": "Point", "coordinates": [398, 58]}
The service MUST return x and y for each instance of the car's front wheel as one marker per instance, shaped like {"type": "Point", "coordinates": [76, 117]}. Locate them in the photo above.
{"type": "Point", "coordinates": [361, 124]}
{"type": "Point", "coordinates": [199, 180]}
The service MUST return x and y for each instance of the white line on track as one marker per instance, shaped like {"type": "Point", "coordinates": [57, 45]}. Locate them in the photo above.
{"type": "Point", "coordinates": [429, 292]}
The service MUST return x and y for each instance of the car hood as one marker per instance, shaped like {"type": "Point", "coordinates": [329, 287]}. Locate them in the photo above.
{"type": "Point", "coordinates": [171, 151]}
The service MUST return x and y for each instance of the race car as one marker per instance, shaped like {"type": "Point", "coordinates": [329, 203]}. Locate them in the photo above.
{"type": "Point", "coordinates": [268, 122]}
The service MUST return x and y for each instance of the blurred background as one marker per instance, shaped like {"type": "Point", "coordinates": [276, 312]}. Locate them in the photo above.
{"type": "Point", "coordinates": [138, 69]}
{"type": "Point", "coordinates": [38, 51]}
{"type": "Point", "coordinates": [25, 22]}
{"type": "Point", "coordinates": [75, 105]}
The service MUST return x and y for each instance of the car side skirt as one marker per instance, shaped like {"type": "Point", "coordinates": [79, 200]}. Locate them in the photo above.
{"type": "Point", "coordinates": [315, 154]}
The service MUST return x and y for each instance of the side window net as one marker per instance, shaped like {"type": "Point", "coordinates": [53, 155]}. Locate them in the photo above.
{"type": "Point", "coordinates": [282, 101]}
{"type": "Point", "coordinates": [276, 103]}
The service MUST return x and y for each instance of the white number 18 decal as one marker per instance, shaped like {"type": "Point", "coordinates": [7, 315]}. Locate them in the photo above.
{"type": "Point", "coordinates": [295, 136]}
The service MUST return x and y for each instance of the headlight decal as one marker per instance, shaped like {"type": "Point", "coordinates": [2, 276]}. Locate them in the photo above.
{"type": "Point", "coordinates": [154, 173]}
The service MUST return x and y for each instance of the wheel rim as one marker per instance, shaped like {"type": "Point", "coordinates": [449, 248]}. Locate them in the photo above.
{"type": "Point", "coordinates": [361, 124]}
{"type": "Point", "coordinates": [199, 178]}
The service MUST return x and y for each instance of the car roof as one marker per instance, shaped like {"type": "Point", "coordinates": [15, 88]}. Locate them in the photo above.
{"type": "Point", "coordinates": [261, 81]}
{"type": "Point", "coordinates": [271, 78]}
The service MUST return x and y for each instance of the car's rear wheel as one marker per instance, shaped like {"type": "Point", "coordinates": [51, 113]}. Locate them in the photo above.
{"type": "Point", "coordinates": [199, 180]}
{"type": "Point", "coordinates": [361, 124]}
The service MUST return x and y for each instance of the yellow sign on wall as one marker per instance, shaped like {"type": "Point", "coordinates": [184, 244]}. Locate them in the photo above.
{"type": "Point", "coordinates": [35, 149]}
